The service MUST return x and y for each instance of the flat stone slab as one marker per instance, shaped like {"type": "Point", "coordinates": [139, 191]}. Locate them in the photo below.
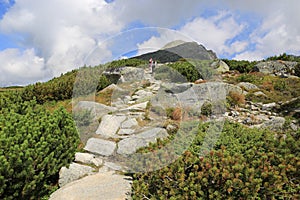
{"type": "Point", "coordinates": [136, 107]}
{"type": "Point", "coordinates": [109, 125]}
{"type": "Point", "coordinates": [101, 186]}
{"type": "Point", "coordinates": [129, 123]}
{"type": "Point", "coordinates": [100, 146]}
{"type": "Point", "coordinates": [88, 158]}
{"type": "Point", "coordinates": [74, 172]}
{"type": "Point", "coordinates": [131, 144]}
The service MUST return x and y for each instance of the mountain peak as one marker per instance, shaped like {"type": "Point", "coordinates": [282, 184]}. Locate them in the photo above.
{"type": "Point", "coordinates": [178, 49]}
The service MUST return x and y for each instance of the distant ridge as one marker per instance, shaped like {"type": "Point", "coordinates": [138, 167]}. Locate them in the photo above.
{"type": "Point", "coordinates": [178, 49]}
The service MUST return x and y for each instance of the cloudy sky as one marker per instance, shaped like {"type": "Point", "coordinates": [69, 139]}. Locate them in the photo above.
{"type": "Point", "coordinates": [40, 39]}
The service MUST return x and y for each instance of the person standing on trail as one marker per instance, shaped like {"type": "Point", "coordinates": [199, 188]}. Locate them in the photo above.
{"type": "Point", "coordinates": [151, 65]}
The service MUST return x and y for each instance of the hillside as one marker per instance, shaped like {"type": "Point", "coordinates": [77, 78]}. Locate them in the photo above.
{"type": "Point", "coordinates": [121, 111]}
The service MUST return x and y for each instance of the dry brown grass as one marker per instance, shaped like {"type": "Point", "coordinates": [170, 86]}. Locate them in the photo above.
{"type": "Point", "coordinates": [237, 98]}
{"type": "Point", "coordinates": [176, 115]}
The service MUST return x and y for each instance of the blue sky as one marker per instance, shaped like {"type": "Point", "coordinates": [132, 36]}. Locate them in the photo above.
{"type": "Point", "coordinates": [42, 39]}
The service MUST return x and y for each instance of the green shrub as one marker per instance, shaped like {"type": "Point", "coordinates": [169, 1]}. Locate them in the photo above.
{"type": "Point", "coordinates": [245, 164]}
{"type": "Point", "coordinates": [243, 66]}
{"type": "Point", "coordinates": [35, 144]}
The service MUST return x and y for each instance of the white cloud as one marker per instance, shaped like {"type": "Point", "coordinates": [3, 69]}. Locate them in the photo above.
{"type": "Point", "coordinates": [62, 32]}
{"type": "Point", "coordinates": [17, 67]}
{"type": "Point", "coordinates": [212, 32]}
{"type": "Point", "coordinates": [276, 35]}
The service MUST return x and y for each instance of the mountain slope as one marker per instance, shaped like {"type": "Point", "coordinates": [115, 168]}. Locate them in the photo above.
{"type": "Point", "coordinates": [184, 50]}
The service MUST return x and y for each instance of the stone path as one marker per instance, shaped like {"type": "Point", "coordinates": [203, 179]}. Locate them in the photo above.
{"type": "Point", "coordinates": [129, 123]}
{"type": "Point", "coordinates": [123, 129]}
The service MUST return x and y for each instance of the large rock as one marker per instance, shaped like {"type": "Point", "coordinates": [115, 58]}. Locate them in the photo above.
{"type": "Point", "coordinates": [175, 88]}
{"type": "Point", "coordinates": [101, 186]}
{"type": "Point", "coordinates": [74, 172]}
{"type": "Point", "coordinates": [100, 146]}
{"type": "Point", "coordinates": [109, 125]}
{"type": "Point", "coordinates": [97, 109]}
{"type": "Point", "coordinates": [130, 145]}
{"type": "Point", "coordinates": [220, 66]}
{"type": "Point", "coordinates": [124, 74]}
{"type": "Point", "coordinates": [278, 67]}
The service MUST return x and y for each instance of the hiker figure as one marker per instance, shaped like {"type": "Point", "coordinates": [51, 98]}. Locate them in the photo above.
{"type": "Point", "coordinates": [154, 66]}
{"type": "Point", "coordinates": [151, 65]}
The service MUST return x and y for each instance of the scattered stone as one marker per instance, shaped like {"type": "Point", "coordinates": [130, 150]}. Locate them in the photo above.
{"type": "Point", "coordinates": [253, 107]}
{"type": "Point", "coordinates": [274, 124]}
{"type": "Point", "coordinates": [247, 86]}
{"type": "Point", "coordinates": [101, 186]}
{"type": "Point", "coordinates": [131, 144]}
{"type": "Point", "coordinates": [74, 172]}
{"type": "Point", "coordinates": [277, 68]}
{"type": "Point", "coordinates": [109, 125]}
{"type": "Point", "coordinates": [259, 93]}
{"type": "Point", "coordinates": [100, 146]}
{"type": "Point", "coordinates": [171, 127]}
{"type": "Point", "coordinates": [268, 106]}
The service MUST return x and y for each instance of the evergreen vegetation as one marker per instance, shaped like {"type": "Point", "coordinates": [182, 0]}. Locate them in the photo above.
{"type": "Point", "coordinates": [35, 144]}
{"type": "Point", "coordinates": [245, 164]}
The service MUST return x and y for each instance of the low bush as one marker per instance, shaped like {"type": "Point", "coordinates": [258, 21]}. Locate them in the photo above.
{"type": "Point", "coordinates": [244, 164]}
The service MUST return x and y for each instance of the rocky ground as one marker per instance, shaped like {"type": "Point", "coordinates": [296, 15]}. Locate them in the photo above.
{"type": "Point", "coordinates": [138, 116]}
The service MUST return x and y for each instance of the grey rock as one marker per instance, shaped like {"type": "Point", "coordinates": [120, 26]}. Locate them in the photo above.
{"type": "Point", "coordinates": [220, 66]}
{"type": "Point", "coordinates": [131, 144]}
{"type": "Point", "coordinates": [100, 146]}
{"type": "Point", "coordinates": [124, 74]}
{"type": "Point", "coordinates": [74, 172]}
{"type": "Point", "coordinates": [247, 86]}
{"type": "Point", "coordinates": [259, 93]}
{"type": "Point", "coordinates": [109, 125]}
{"type": "Point", "coordinates": [113, 166]}
{"type": "Point", "coordinates": [274, 124]}
{"type": "Point", "coordinates": [278, 68]}
{"type": "Point", "coordinates": [136, 107]}
{"type": "Point", "coordinates": [268, 106]}
{"type": "Point", "coordinates": [97, 109]}
{"type": "Point", "coordinates": [171, 127]}
{"type": "Point", "coordinates": [175, 88]}
{"type": "Point", "coordinates": [100, 186]}
{"type": "Point", "coordinates": [129, 123]}
{"type": "Point", "coordinates": [88, 158]}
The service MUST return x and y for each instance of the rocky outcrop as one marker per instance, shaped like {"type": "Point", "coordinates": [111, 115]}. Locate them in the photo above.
{"type": "Point", "coordinates": [278, 68]}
